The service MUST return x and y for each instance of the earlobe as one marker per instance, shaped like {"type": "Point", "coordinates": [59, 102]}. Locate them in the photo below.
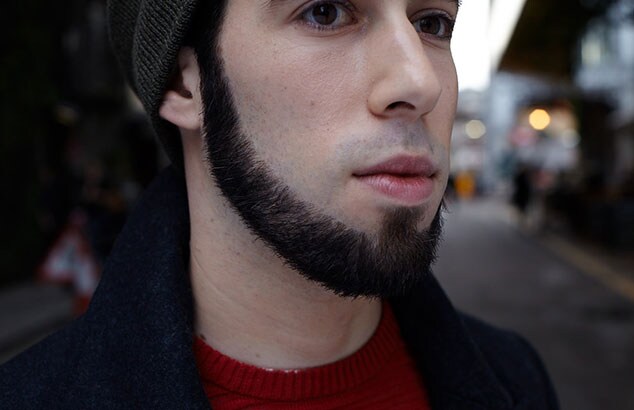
{"type": "Point", "coordinates": [182, 104]}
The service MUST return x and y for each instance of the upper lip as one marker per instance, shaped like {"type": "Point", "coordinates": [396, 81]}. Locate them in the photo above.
{"type": "Point", "coordinates": [406, 165]}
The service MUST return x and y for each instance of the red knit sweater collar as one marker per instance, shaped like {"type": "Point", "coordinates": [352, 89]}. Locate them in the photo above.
{"type": "Point", "coordinates": [303, 384]}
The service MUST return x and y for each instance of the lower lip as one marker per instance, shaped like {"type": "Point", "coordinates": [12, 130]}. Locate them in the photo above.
{"type": "Point", "coordinates": [410, 190]}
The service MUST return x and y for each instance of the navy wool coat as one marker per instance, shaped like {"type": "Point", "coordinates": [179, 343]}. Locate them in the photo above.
{"type": "Point", "coordinates": [133, 347]}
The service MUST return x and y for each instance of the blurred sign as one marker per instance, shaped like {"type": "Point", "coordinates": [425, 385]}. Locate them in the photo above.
{"type": "Point", "coordinates": [71, 261]}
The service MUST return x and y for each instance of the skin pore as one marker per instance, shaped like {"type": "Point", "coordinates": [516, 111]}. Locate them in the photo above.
{"type": "Point", "coordinates": [321, 91]}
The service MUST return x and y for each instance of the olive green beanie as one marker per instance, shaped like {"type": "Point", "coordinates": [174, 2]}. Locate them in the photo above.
{"type": "Point", "coordinates": [146, 36]}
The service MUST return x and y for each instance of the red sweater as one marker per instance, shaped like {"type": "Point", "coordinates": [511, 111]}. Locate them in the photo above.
{"type": "Point", "coordinates": [380, 375]}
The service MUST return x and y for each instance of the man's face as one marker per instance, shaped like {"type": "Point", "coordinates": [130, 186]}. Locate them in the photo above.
{"type": "Point", "coordinates": [339, 119]}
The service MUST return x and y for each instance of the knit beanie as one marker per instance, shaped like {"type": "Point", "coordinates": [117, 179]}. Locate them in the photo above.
{"type": "Point", "coordinates": [146, 36]}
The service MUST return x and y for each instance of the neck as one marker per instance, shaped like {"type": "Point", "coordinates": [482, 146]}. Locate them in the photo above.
{"type": "Point", "coordinates": [251, 306]}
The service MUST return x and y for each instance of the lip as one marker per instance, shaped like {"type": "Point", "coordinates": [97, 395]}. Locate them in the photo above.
{"type": "Point", "coordinates": [406, 179]}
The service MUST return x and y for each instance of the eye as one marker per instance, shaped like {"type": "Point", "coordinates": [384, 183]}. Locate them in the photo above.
{"type": "Point", "coordinates": [327, 15]}
{"type": "Point", "coordinates": [437, 25]}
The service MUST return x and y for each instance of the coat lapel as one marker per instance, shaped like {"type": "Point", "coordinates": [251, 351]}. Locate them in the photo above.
{"type": "Point", "coordinates": [142, 314]}
{"type": "Point", "coordinates": [456, 373]}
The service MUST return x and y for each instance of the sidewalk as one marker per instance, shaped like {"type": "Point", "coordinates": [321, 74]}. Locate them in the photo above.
{"type": "Point", "coordinates": [562, 296]}
{"type": "Point", "coordinates": [612, 268]}
{"type": "Point", "coordinates": [28, 313]}
{"type": "Point", "coordinates": [583, 253]}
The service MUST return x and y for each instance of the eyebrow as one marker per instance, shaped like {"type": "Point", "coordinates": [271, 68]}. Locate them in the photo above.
{"type": "Point", "coordinates": [458, 3]}
{"type": "Point", "coordinates": [275, 3]}
{"type": "Point", "coordinates": [270, 6]}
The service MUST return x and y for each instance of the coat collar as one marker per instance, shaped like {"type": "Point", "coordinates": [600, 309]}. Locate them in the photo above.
{"type": "Point", "coordinates": [456, 373]}
{"type": "Point", "coordinates": [143, 314]}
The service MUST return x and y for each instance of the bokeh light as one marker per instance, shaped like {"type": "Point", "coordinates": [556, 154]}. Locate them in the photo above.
{"type": "Point", "coordinates": [475, 129]}
{"type": "Point", "coordinates": [539, 119]}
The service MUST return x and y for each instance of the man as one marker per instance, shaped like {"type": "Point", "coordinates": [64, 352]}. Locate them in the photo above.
{"type": "Point", "coordinates": [284, 260]}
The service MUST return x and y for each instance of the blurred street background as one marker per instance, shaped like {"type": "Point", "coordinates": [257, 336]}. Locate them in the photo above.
{"type": "Point", "coordinates": [540, 221]}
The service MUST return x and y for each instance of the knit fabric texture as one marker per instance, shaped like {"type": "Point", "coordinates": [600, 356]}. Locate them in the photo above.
{"type": "Point", "coordinates": [146, 36]}
{"type": "Point", "coordinates": [380, 375]}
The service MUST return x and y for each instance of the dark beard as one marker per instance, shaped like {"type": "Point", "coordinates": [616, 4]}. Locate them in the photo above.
{"type": "Point", "coordinates": [322, 249]}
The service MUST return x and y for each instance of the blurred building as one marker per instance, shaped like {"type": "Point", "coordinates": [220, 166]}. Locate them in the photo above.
{"type": "Point", "coordinates": [605, 72]}
{"type": "Point", "coordinates": [72, 136]}
{"type": "Point", "coordinates": [559, 102]}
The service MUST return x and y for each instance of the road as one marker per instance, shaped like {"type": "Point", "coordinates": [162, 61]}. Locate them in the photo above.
{"type": "Point", "coordinates": [29, 312]}
{"type": "Point", "coordinates": [583, 329]}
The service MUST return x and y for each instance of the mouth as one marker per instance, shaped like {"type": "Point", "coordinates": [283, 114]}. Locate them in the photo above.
{"type": "Point", "coordinates": [406, 179]}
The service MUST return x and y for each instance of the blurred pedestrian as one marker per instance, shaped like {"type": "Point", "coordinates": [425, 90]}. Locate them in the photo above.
{"type": "Point", "coordinates": [522, 192]}
{"type": "Point", "coordinates": [284, 260]}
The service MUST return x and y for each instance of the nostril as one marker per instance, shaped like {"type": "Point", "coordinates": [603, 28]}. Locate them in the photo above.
{"type": "Point", "coordinates": [400, 104]}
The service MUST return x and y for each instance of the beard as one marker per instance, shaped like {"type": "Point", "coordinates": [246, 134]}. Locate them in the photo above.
{"type": "Point", "coordinates": [324, 250]}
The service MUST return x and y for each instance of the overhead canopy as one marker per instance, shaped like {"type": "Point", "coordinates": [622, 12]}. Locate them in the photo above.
{"type": "Point", "coordinates": [546, 37]}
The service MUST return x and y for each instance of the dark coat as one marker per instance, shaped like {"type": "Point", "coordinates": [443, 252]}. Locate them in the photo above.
{"type": "Point", "coordinates": [133, 348]}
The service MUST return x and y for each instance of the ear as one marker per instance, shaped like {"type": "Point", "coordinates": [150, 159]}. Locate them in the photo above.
{"type": "Point", "coordinates": [182, 104]}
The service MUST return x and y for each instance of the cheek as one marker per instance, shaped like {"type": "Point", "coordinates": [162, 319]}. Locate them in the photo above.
{"type": "Point", "coordinates": [293, 105]}
{"type": "Point", "coordinates": [444, 114]}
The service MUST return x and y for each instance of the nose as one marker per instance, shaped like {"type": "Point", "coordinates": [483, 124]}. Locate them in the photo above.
{"type": "Point", "coordinates": [406, 83]}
